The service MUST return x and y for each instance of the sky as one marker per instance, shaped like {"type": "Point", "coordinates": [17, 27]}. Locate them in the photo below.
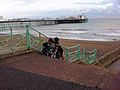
{"type": "Point", "coordinates": [58, 8]}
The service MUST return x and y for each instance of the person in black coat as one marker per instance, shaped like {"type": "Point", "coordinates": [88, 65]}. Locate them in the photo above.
{"type": "Point", "coordinates": [48, 47]}
{"type": "Point", "coordinates": [58, 51]}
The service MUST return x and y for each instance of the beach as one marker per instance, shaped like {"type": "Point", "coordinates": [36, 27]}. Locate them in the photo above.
{"type": "Point", "coordinates": [103, 46]}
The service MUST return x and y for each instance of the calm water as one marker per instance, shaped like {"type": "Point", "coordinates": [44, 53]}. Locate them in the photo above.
{"type": "Point", "coordinates": [94, 29]}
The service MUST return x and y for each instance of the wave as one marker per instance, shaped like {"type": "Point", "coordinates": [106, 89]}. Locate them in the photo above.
{"type": "Point", "coordinates": [107, 34]}
{"type": "Point", "coordinates": [68, 32]}
{"type": "Point", "coordinates": [74, 29]}
{"type": "Point", "coordinates": [8, 32]}
{"type": "Point", "coordinates": [75, 32]}
{"type": "Point", "coordinates": [87, 39]}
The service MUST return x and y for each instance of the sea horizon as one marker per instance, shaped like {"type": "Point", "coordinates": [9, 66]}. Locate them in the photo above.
{"type": "Point", "coordinates": [95, 29]}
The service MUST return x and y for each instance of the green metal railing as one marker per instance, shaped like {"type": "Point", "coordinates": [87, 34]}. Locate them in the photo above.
{"type": "Point", "coordinates": [11, 42]}
{"type": "Point", "coordinates": [33, 39]}
{"type": "Point", "coordinates": [72, 53]}
{"type": "Point", "coordinates": [77, 53]}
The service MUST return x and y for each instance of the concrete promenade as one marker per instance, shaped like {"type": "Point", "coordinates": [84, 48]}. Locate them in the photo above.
{"type": "Point", "coordinates": [33, 71]}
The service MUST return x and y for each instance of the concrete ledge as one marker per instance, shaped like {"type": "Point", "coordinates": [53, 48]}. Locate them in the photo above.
{"type": "Point", "coordinates": [111, 62]}
{"type": "Point", "coordinates": [108, 58]}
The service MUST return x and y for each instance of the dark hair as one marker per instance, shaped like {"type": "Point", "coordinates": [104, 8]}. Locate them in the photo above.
{"type": "Point", "coordinates": [56, 40]}
{"type": "Point", "coordinates": [50, 40]}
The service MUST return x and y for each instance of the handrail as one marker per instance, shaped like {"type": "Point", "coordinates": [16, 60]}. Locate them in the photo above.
{"type": "Point", "coordinates": [72, 47]}
{"type": "Point", "coordinates": [31, 39]}
{"type": "Point", "coordinates": [37, 31]}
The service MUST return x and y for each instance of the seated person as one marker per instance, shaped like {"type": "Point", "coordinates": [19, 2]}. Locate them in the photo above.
{"type": "Point", "coordinates": [58, 51]}
{"type": "Point", "coordinates": [48, 47]}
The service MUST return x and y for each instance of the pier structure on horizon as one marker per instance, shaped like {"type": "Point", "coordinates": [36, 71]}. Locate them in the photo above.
{"type": "Point", "coordinates": [43, 21]}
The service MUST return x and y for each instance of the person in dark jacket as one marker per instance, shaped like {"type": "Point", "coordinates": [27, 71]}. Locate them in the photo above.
{"type": "Point", "coordinates": [48, 47]}
{"type": "Point", "coordinates": [58, 51]}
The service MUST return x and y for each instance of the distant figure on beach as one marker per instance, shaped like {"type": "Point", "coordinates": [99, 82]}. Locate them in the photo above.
{"type": "Point", "coordinates": [48, 47]}
{"type": "Point", "coordinates": [58, 51]}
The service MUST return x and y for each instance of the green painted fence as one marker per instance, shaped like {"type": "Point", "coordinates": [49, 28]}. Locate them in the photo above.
{"type": "Point", "coordinates": [77, 53]}
{"type": "Point", "coordinates": [30, 38]}
{"type": "Point", "coordinates": [10, 41]}
{"type": "Point", "coordinates": [26, 38]}
{"type": "Point", "coordinates": [35, 39]}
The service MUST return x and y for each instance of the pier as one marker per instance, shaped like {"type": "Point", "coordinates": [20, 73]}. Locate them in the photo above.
{"type": "Point", "coordinates": [40, 22]}
{"type": "Point", "coordinates": [28, 22]}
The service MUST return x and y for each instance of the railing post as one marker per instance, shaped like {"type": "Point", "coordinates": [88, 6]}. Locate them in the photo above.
{"type": "Point", "coordinates": [28, 37]}
{"type": "Point", "coordinates": [11, 38]}
{"type": "Point", "coordinates": [83, 54]}
{"type": "Point", "coordinates": [39, 35]}
{"type": "Point", "coordinates": [95, 53]}
{"type": "Point", "coordinates": [78, 53]}
{"type": "Point", "coordinates": [66, 54]}
{"type": "Point", "coordinates": [11, 33]}
{"type": "Point", "coordinates": [89, 60]}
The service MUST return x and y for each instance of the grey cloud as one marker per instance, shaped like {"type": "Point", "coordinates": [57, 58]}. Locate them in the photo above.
{"type": "Point", "coordinates": [28, 1]}
{"type": "Point", "coordinates": [116, 5]}
{"type": "Point", "coordinates": [87, 3]}
{"type": "Point", "coordinates": [110, 11]}
{"type": "Point", "coordinates": [116, 2]}
{"type": "Point", "coordinates": [93, 13]}
{"type": "Point", "coordinates": [94, 3]}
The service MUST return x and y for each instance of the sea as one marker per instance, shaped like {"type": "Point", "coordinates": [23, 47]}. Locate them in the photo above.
{"type": "Point", "coordinates": [94, 29]}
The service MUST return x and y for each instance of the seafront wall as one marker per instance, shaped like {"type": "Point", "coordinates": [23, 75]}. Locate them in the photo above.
{"type": "Point", "coordinates": [108, 58]}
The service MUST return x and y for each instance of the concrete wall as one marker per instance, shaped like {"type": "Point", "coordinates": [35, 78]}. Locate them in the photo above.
{"type": "Point", "coordinates": [108, 58]}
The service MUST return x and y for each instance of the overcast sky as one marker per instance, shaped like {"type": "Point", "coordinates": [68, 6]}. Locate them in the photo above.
{"type": "Point", "coordinates": [57, 8]}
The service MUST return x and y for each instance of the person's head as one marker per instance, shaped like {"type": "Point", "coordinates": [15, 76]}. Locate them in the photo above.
{"type": "Point", "coordinates": [50, 40]}
{"type": "Point", "coordinates": [56, 40]}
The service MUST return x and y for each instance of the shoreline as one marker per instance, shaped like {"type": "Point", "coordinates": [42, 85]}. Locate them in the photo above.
{"type": "Point", "coordinates": [70, 42]}
{"type": "Point", "coordinates": [89, 39]}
